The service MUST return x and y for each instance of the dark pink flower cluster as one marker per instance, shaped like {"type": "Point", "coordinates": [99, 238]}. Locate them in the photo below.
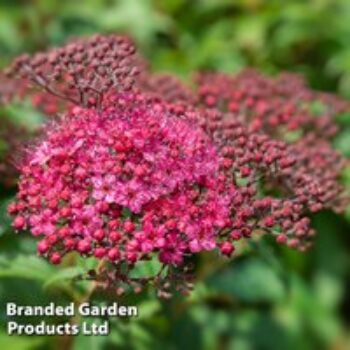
{"type": "Point", "coordinates": [303, 174]}
{"type": "Point", "coordinates": [133, 156]}
{"type": "Point", "coordinates": [259, 165]}
{"type": "Point", "coordinates": [82, 71]}
{"type": "Point", "coordinates": [79, 73]}
{"type": "Point", "coordinates": [134, 170]}
{"type": "Point", "coordinates": [273, 105]}
{"type": "Point", "coordinates": [315, 177]}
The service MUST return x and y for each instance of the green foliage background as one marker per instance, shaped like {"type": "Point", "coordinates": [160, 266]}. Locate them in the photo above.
{"type": "Point", "coordinates": [270, 297]}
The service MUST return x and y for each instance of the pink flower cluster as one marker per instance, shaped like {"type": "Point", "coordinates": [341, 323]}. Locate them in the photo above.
{"type": "Point", "coordinates": [273, 105]}
{"type": "Point", "coordinates": [277, 107]}
{"type": "Point", "coordinates": [256, 163]}
{"type": "Point", "coordinates": [135, 156]}
{"type": "Point", "coordinates": [154, 168]}
{"type": "Point", "coordinates": [82, 71]}
{"type": "Point", "coordinates": [304, 172]}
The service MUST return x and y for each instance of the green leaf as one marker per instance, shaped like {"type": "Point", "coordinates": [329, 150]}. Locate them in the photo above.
{"type": "Point", "coordinates": [20, 342]}
{"type": "Point", "coordinates": [25, 115]}
{"type": "Point", "coordinates": [148, 308]}
{"type": "Point", "coordinates": [115, 337]}
{"type": "Point", "coordinates": [186, 333]}
{"type": "Point", "coordinates": [292, 136]}
{"type": "Point", "coordinates": [249, 280]}
{"type": "Point", "coordinates": [342, 142]}
{"type": "Point", "coordinates": [95, 342]}
{"type": "Point", "coordinates": [139, 18]}
{"type": "Point", "coordinates": [343, 118]}
{"type": "Point", "coordinates": [317, 108]}
{"type": "Point", "coordinates": [140, 336]}
{"type": "Point", "coordinates": [328, 290]}
{"type": "Point", "coordinates": [3, 148]}
{"type": "Point", "coordinates": [86, 264]}
{"type": "Point", "coordinates": [29, 267]}
{"type": "Point", "coordinates": [37, 269]}
{"type": "Point", "coordinates": [146, 268]}
{"type": "Point", "coordinates": [62, 276]}
{"type": "Point", "coordinates": [5, 221]}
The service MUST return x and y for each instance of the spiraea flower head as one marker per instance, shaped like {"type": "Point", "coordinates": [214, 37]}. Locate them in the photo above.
{"type": "Point", "coordinates": [122, 183]}
{"type": "Point", "coordinates": [278, 106]}
{"type": "Point", "coordinates": [81, 72]}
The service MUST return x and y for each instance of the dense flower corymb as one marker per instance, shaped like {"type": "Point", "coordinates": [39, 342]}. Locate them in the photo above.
{"type": "Point", "coordinates": [92, 166]}
{"type": "Point", "coordinates": [237, 113]}
{"type": "Point", "coordinates": [274, 105]}
{"type": "Point", "coordinates": [82, 71]}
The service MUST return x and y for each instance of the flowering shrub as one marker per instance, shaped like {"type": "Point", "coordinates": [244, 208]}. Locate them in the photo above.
{"type": "Point", "coordinates": [141, 166]}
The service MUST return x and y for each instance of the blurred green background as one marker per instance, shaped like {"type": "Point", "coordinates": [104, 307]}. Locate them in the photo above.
{"type": "Point", "coordinates": [268, 298]}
